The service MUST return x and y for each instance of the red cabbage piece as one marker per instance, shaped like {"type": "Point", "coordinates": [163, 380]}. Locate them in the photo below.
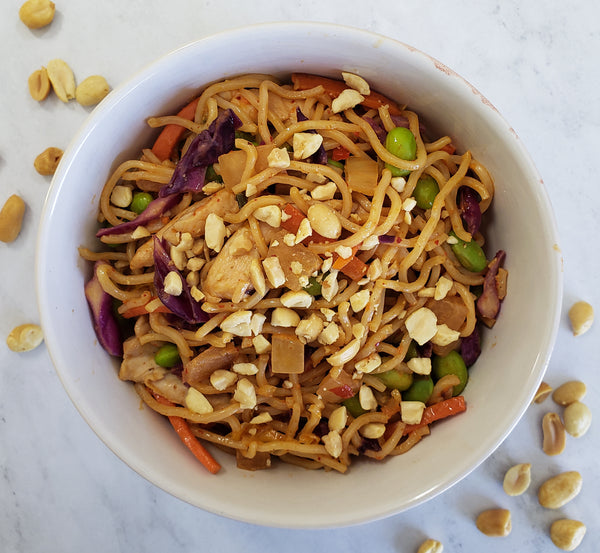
{"type": "Point", "coordinates": [469, 208]}
{"type": "Point", "coordinates": [378, 128]}
{"type": "Point", "coordinates": [488, 304]}
{"type": "Point", "coordinates": [470, 347]}
{"type": "Point", "coordinates": [184, 305]}
{"type": "Point", "coordinates": [105, 323]}
{"type": "Point", "coordinates": [156, 208]}
{"type": "Point", "coordinates": [204, 150]}
{"type": "Point", "coordinates": [320, 156]}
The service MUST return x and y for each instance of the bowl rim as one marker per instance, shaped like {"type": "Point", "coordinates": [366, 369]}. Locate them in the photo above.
{"type": "Point", "coordinates": [145, 73]}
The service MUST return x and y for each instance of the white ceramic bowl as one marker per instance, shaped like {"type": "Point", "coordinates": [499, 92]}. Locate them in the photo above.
{"type": "Point", "coordinates": [515, 352]}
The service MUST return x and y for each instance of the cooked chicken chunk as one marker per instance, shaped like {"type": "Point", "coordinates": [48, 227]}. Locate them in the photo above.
{"type": "Point", "coordinates": [138, 362]}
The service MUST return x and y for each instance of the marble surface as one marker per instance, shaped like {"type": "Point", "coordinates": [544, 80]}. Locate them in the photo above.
{"type": "Point", "coordinates": [62, 490]}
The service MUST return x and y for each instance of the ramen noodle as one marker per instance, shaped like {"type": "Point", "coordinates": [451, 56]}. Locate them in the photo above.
{"type": "Point", "coordinates": [295, 271]}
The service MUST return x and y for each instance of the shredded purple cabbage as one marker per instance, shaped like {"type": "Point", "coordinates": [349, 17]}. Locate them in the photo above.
{"type": "Point", "coordinates": [488, 304]}
{"type": "Point", "coordinates": [426, 350]}
{"type": "Point", "coordinates": [156, 208]}
{"type": "Point", "coordinates": [387, 239]}
{"type": "Point", "coordinates": [369, 443]}
{"type": "Point", "coordinates": [184, 305]}
{"type": "Point", "coordinates": [204, 150]}
{"type": "Point", "coordinates": [469, 208]}
{"type": "Point", "coordinates": [105, 323]}
{"type": "Point", "coordinates": [378, 128]}
{"type": "Point", "coordinates": [470, 347]}
{"type": "Point", "coordinates": [320, 156]}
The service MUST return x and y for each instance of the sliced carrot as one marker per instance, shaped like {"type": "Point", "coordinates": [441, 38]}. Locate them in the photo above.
{"type": "Point", "coordinates": [304, 81]}
{"type": "Point", "coordinates": [182, 428]}
{"type": "Point", "coordinates": [438, 411]}
{"type": "Point", "coordinates": [450, 148]}
{"type": "Point", "coordinates": [339, 153]}
{"type": "Point", "coordinates": [340, 262]}
{"type": "Point", "coordinates": [355, 268]}
{"type": "Point", "coordinates": [293, 223]}
{"type": "Point", "coordinates": [139, 310]}
{"type": "Point", "coordinates": [170, 135]}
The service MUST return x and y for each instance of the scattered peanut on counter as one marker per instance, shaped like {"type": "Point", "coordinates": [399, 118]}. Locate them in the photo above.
{"type": "Point", "coordinates": [11, 218]}
{"type": "Point", "coordinates": [62, 79]}
{"type": "Point", "coordinates": [581, 316]}
{"type": "Point", "coordinates": [494, 522]}
{"type": "Point", "coordinates": [560, 489]}
{"type": "Point", "coordinates": [47, 162]}
{"type": "Point", "coordinates": [39, 84]}
{"type": "Point", "coordinates": [92, 90]}
{"type": "Point", "coordinates": [543, 391]}
{"type": "Point", "coordinates": [570, 391]}
{"type": "Point", "coordinates": [554, 436]}
{"type": "Point", "coordinates": [577, 418]}
{"type": "Point", "coordinates": [567, 534]}
{"type": "Point", "coordinates": [25, 337]}
{"type": "Point", "coordinates": [37, 13]}
{"type": "Point", "coordinates": [517, 479]}
{"type": "Point", "coordinates": [431, 546]}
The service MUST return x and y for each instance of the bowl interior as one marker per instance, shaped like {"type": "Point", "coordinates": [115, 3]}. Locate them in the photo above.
{"type": "Point", "coordinates": [515, 351]}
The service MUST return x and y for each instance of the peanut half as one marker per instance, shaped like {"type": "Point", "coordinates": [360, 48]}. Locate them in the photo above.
{"type": "Point", "coordinates": [37, 13]}
{"type": "Point", "coordinates": [543, 391]}
{"type": "Point", "coordinates": [567, 534]}
{"type": "Point", "coordinates": [517, 479]}
{"type": "Point", "coordinates": [47, 162]}
{"type": "Point", "coordinates": [581, 316]}
{"type": "Point", "coordinates": [554, 436]}
{"type": "Point", "coordinates": [25, 337]}
{"type": "Point", "coordinates": [431, 546]}
{"type": "Point", "coordinates": [494, 522]}
{"type": "Point", "coordinates": [578, 418]}
{"type": "Point", "coordinates": [92, 90]}
{"type": "Point", "coordinates": [570, 391]}
{"type": "Point", "coordinates": [62, 79]}
{"type": "Point", "coordinates": [39, 84]}
{"type": "Point", "coordinates": [11, 218]}
{"type": "Point", "coordinates": [560, 489]}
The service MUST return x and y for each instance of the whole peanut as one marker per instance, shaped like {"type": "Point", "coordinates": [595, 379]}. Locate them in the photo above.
{"type": "Point", "coordinates": [567, 534]}
{"type": "Point", "coordinates": [92, 90]}
{"type": "Point", "coordinates": [11, 218]}
{"type": "Point", "coordinates": [47, 162]}
{"type": "Point", "coordinates": [494, 522]}
{"type": "Point", "coordinates": [560, 489]}
{"type": "Point", "coordinates": [37, 13]}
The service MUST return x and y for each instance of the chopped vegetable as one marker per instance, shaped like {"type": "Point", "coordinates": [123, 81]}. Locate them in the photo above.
{"type": "Point", "coordinates": [438, 411]}
{"type": "Point", "coordinates": [362, 174]}
{"type": "Point", "coordinates": [425, 191]}
{"type": "Point", "coordinates": [167, 356]}
{"type": "Point", "coordinates": [184, 305]}
{"type": "Point", "coordinates": [395, 380]}
{"type": "Point", "coordinates": [469, 254]}
{"type": "Point", "coordinates": [170, 135]}
{"type": "Point", "coordinates": [401, 142]}
{"type": "Point", "coordinates": [204, 150]}
{"type": "Point", "coordinates": [339, 153]}
{"type": "Point", "coordinates": [332, 87]}
{"type": "Point", "coordinates": [470, 347]}
{"type": "Point", "coordinates": [155, 209]}
{"type": "Point", "coordinates": [488, 303]}
{"type": "Point", "coordinates": [138, 310]}
{"type": "Point", "coordinates": [420, 389]}
{"type": "Point", "coordinates": [469, 208]}
{"type": "Point", "coordinates": [313, 287]}
{"type": "Point", "coordinates": [140, 201]}
{"type": "Point", "coordinates": [105, 323]}
{"type": "Point", "coordinates": [454, 364]}
{"type": "Point", "coordinates": [287, 355]}
{"type": "Point", "coordinates": [182, 428]}
{"type": "Point", "coordinates": [354, 407]}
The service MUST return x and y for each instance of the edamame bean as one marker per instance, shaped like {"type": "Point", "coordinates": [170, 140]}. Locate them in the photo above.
{"type": "Point", "coordinates": [420, 389]}
{"type": "Point", "coordinates": [140, 201]}
{"type": "Point", "coordinates": [411, 352]}
{"type": "Point", "coordinates": [450, 364]}
{"type": "Point", "coordinates": [167, 356]}
{"type": "Point", "coordinates": [401, 142]}
{"type": "Point", "coordinates": [395, 380]}
{"type": "Point", "coordinates": [469, 254]}
{"type": "Point", "coordinates": [353, 406]}
{"type": "Point", "coordinates": [425, 192]}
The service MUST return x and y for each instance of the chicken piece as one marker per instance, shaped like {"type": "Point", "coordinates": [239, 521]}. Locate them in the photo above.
{"type": "Point", "coordinates": [229, 274]}
{"type": "Point", "coordinates": [309, 261]}
{"type": "Point", "coordinates": [138, 362]}
{"type": "Point", "coordinates": [170, 387]}
{"type": "Point", "coordinates": [192, 220]}
{"type": "Point", "coordinates": [450, 311]}
{"type": "Point", "coordinates": [200, 368]}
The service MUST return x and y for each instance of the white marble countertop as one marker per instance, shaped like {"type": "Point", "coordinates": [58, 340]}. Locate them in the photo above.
{"type": "Point", "coordinates": [62, 490]}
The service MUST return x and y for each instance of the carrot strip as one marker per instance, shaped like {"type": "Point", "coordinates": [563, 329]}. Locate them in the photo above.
{"type": "Point", "coordinates": [304, 81]}
{"type": "Point", "coordinates": [293, 223]}
{"type": "Point", "coordinates": [450, 148]}
{"type": "Point", "coordinates": [355, 268]}
{"type": "Point", "coordinates": [170, 135]}
{"type": "Point", "coordinates": [141, 310]}
{"type": "Point", "coordinates": [438, 411]}
{"type": "Point", "coordinates": [339, 153]}
{"type": "Point", "coordinates": [182, 428]}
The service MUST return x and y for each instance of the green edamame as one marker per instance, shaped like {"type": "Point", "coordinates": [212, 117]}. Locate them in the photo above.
{"type": "Point", "coordinates": [451, 364]}
{"type": "Point", "coordinates": [420, 389]}
{"type": "Point", "coordinates": [140, 201]}
{"type": "Point", "coordinates": [395, 380]}
{"type": "Point", "coordinates": [167, 356]}
{"type": "Point", "coordinates": [425, 192]}
{"type": "Point", "coordinates": [469, 254]}
{"type": "Point", "coordinates": [401, 143]}
{"type": "Point", "coordinates": [353, 406]}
